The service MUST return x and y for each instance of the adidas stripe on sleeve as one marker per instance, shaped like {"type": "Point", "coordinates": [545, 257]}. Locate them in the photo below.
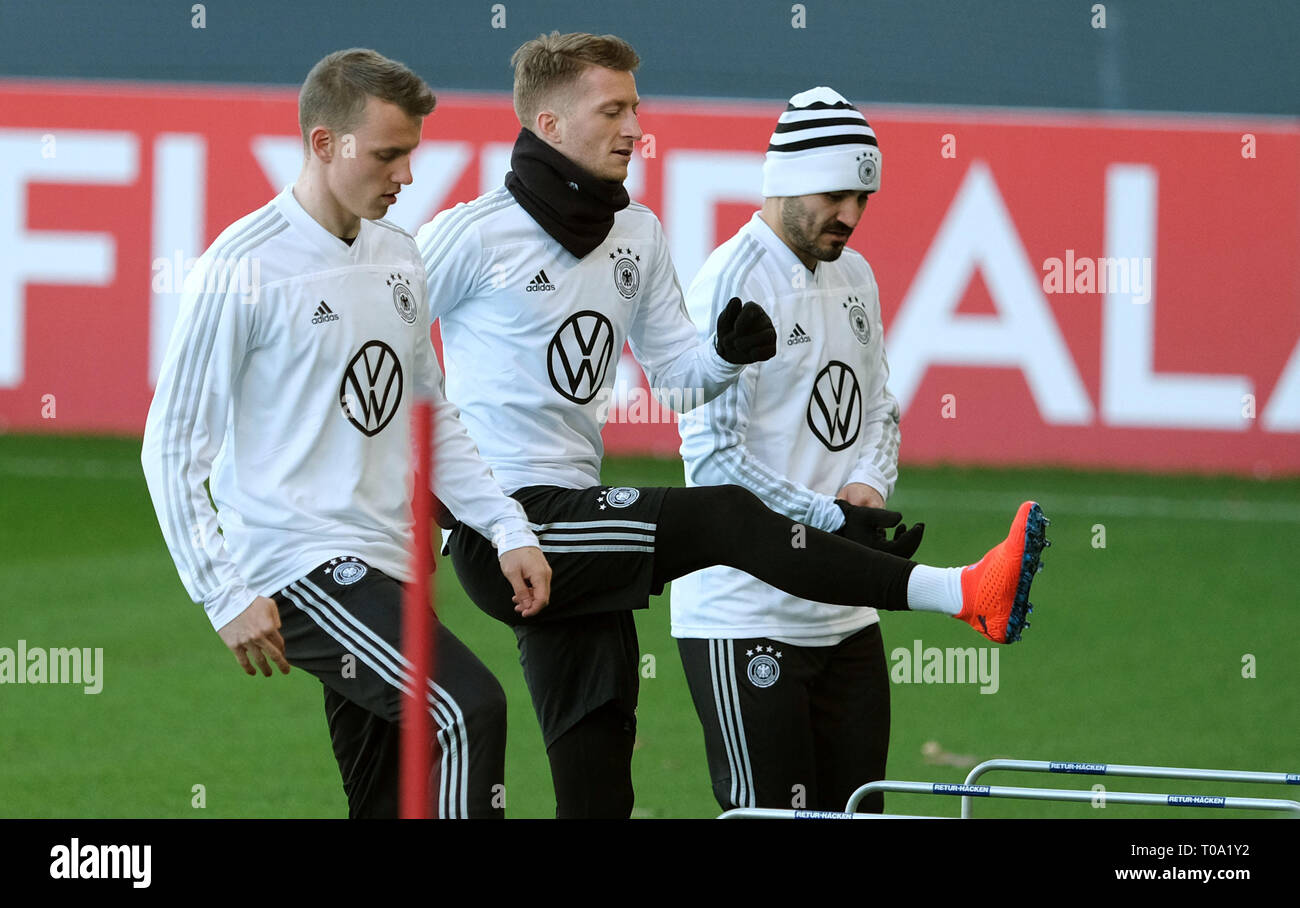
{"type": "Point", "coordinates": [186, 424]}
{"type": "Point", "coordinates": [452, 253]}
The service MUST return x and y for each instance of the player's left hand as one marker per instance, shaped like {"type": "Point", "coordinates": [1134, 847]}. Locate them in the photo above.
{"type": "Point", "coordinates": [529, 573]}
{"type": "Point", "coordinates": [867, 526]}
{"type": "Point", "coordinates": [905, 541]}
{"type": "Point", "coordinates": [745, 333]}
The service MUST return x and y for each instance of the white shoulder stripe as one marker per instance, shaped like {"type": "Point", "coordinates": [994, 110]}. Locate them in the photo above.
{"type": "Point", "coordinates": [393, 227]}
{"type": "Point", "coordinates": [439, 241]}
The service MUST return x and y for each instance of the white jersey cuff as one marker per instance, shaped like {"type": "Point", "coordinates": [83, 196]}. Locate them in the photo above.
{"type": "Point", "coordinates": [226, 605]}
{"type": "Point", "coordinates": [874, 479]}
{"type": "Point", "coordinates": [506, 537]}
{"type": "Point", "coordinates": [722, 371]}
{"type": "Point", "coordinates": [825, 514]}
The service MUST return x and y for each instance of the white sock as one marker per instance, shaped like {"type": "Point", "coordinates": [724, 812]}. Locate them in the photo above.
{"type": "Point", "coordinates": [931, 589]}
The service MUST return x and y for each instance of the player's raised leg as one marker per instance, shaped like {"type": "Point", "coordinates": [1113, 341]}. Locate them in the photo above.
{"type": "Point", "coordinates": [704, 526]}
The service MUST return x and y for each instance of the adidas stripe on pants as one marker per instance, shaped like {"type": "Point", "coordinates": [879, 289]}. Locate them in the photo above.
{"type": "Point", "coordinates": [791, 726]}
{"type": "Point", "coordinates": [349, 636]}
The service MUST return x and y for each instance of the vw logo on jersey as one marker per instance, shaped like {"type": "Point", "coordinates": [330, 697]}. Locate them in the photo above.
{"type": "Point", "coordinates": [349, 572]}
{"type": "Point", "coordinates": [579, 355]}
{"type": "Point", "coordinates": [372, 387]}
{"type": "Point", "coordinates": [403, 300]}
{"type": "Point", "coordinates": [763, 670]}
{"type": "Point", "coordinates": [627, 277]}
{"type": "Point", "coordinates": [835, 407]}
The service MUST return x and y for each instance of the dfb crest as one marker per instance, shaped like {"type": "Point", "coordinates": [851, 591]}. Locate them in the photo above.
{"type": "Point", "coordinates": [627, 276]}
{"type": "Point", "coordinates": [763, 670]}
{"type": "Point", "coordinates": [858, 320]}
{"type": "Point", "coordinates": [403, 300]}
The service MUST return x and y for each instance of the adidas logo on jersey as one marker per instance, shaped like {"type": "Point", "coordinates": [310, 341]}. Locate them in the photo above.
{"type": "Point", "coordinates": [540, 282]}
{"type": "Point", "coordinates": [323, 314]}
{"type": "Point", "coordinates": [798, 336]}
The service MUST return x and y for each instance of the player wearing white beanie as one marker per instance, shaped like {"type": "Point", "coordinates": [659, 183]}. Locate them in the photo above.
{"type": "Point", "coordinates": [822, 143]}
{"type": "Point", "coordinates": [793, 694]}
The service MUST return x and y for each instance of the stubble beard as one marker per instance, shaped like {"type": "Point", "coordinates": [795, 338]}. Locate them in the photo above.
{"type": "Point", "coordinates": [796, 222]}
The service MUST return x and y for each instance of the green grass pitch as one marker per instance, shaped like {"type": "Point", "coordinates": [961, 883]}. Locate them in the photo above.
{"type": "Point", "coordinates": [1136, 655]}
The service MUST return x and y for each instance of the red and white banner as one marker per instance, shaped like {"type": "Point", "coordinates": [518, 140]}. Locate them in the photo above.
{"type": "Point", "coordinates": [1083, 289]}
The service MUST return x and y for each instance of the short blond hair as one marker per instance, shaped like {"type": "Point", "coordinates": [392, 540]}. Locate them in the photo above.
{"type": "Point", "coordinates": [335, 91]}
{"type": "Point", "coordinates": [554, 61]}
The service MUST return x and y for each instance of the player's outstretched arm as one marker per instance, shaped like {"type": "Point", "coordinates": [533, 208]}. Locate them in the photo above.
{"type": "Point", "coordinates": [255, 634]}
{"type": "Point", "coordinates": [688, 368]}
{"type": "Point", "coordinates": [529, 573]}
{"type": "Point", "coordinates": [715, 446]}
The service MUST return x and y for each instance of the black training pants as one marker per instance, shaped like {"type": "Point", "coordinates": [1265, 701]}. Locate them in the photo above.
{"type": "Point", "coordinates": [791, 726]}
{"type": "Point", "coordinates": [343, 623]}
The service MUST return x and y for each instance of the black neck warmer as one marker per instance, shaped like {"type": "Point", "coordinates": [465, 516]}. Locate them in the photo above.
{"type": "Point", "coordinates": [570, 204]}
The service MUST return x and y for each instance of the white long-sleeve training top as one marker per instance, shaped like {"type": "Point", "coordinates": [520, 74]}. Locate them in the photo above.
{"type": "Point", "coordinates": [289, 380]}
{"type": "Point", "coordinates": [531, 335]}
{"type": "Point", "coordinates": [794, 430]}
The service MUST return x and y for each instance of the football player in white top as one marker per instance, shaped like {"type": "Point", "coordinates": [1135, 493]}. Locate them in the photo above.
{"type": "Point", "coordinates": [537, 286]}
{"type": "Point", "coordinates": [803, 715]}
{"type": "Point", "coordinates": [295, 401]}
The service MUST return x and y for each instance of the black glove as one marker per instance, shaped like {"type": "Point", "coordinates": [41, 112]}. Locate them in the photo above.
{"type": "Point", "coordinates": [745, 333]}
{"type": "Point", "coordinates": [866, 526]}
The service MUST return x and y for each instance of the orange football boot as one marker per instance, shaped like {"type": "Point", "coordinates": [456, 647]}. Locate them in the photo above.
{"type": "Point", "coordinates": [995, 592]}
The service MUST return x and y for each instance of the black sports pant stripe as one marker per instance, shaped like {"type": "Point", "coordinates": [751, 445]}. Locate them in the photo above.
{"type": "Point", "coordinates": [791, 726]}
{"type": "Point", "coordinates": [348, 634]}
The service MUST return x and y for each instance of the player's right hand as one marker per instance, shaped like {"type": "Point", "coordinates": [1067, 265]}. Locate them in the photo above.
{"type": "Point", "coordinates": [529, 573]}
{"type": "Point", "coordinates": [255, 633]}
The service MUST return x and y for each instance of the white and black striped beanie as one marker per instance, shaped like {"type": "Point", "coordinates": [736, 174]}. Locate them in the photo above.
{"type": "Point", "coordinates": [821, 144]}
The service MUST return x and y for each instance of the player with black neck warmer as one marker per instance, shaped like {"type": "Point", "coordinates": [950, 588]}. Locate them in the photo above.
{"type": "Point", "coordinates": [570, 204]}
{"type": "Point", "coordinates": [537, 286]}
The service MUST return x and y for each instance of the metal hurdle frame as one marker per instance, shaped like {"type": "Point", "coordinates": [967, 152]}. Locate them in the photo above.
{"type": "Point", "coordinates": [1061, 794]}
{"type": "Point", "coordinates": [776, 813]}
{"type": "Point", "coordinates": [998, 791]}
{"type": "Point", "coordinates": [1132, 771]}
{"type": "Point", "coordinates": [969, 789]}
